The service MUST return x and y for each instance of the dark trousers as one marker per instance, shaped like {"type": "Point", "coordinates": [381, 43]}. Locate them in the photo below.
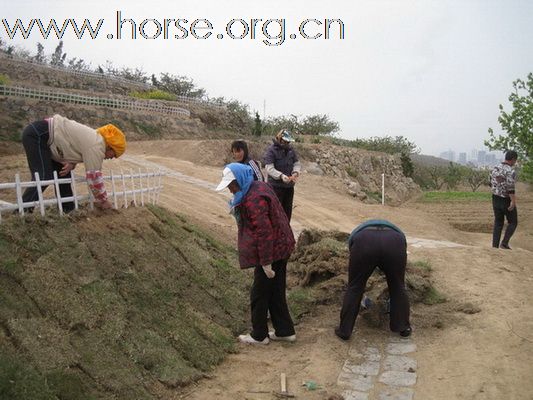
{"type": "Point", "coordinates": [35, 141]}
{"type": "Point", "coordinates": [269, 295]}
{"type": "Point", "coordinates": [500, 205]}
{"type": "Point", "coordinates": [285, 197]}
{"type": "Point", "coordinates": [386, 249]}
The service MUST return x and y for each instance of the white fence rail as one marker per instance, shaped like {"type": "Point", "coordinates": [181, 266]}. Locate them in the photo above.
{"type": "Point", "coordinates": [102, 76]}
{"type": "Point", "coordinates": [65, 97]}
{"type": "Point", "coordinates": [126, 189]}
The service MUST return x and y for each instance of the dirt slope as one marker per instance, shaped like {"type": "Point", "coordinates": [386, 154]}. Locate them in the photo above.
{"type": "Point", "coordinates": [471, 356]}
{"type": "Point", "coordinates": [486, 355]}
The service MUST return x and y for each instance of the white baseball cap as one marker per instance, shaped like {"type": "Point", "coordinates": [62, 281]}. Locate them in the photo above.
{"type": "Point", "coordinates": [227, 178]}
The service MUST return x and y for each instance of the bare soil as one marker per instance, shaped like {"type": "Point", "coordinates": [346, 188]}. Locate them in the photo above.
{"type": "Point", "coordinates": [478, 345]}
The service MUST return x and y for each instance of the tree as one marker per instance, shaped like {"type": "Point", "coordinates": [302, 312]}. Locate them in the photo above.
{"type": "Point", "coordinates": [437, 175]}
{"type": "Point", "coordinates": [518, 126]}
{"type": "Point", "coordinates": [477, 177]}
{"type": "Point", "coordinates": [78, 64]}
{"type": "Point", "coordinates": [40, 56]}
{"type": "Point", "coordinates": [258, 126]}
{"type": "Point", "coordinates": [180, 85]}
{"type": "Point", "coordinates": [318, 124]}
{"type": "Point", "coordinates": [58, 57]}
{"type": "Point", "coordinates": [454, 175]}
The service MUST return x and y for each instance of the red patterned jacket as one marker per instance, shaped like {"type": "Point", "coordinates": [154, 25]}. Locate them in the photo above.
{"type": "Point", "coordinates": [264, 231]}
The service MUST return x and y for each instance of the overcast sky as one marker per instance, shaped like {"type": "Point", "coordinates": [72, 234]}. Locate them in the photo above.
{"type": "Point", "coordinates": [433, 71]}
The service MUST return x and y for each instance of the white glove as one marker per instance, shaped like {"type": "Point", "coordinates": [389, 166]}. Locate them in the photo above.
{"type": "Point", "coordinates": [269, 271]}
{"type": "Point", "coordinates": [285, 179]}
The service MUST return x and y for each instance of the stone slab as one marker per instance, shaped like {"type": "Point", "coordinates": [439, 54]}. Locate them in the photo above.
{"type": "Point", "coordinates": [354, 395]}
{"type": "Point", "coordinates": [401, 348]}
{"type": "Point", "coordinates": [395, 393]}
{"type": "Point", "coordinates": [399, 363]}
{"type": "Point", "coordinates": [365, 368]}
{"type": "Point", "coordinates": [398, 378]}
{"type": "Point", "coordinates": [355, 382]}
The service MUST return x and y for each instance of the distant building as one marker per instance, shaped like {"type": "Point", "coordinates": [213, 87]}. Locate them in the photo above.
{"type": "Point", "coordinates": [462, 158]}
{"type": "Point", "coordinates": [481, 157]}
{"type": "Point", "coordinates": [448, 155]}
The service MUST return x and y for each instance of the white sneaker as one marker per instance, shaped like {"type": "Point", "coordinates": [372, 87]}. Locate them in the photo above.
{"type": "Point", "coordinates": [272, 336]}
{"type": "Point", "coordinates": [250, 340]}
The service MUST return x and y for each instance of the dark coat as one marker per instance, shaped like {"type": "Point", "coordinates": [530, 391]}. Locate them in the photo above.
{"type": "Point", "coordinates": [264, 235]}
{"type": "Point", "coordinates": [283, 157]}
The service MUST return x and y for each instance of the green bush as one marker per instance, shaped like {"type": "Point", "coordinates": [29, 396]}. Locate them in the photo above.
{"type": "Point", "coordinates": [4, 79]}
{"type": "Point", "coordinates": [154, 95]}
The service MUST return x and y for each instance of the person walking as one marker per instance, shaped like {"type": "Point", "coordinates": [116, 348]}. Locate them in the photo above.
{"type": "Point", "coordinates": [376, 243]}
{"type": "Point", "coordinates": [502, 182]}
{"type": "Point", "coordinates": [265, 242]}
{"type": "Point", "coordinates": [283, 169]}
{"type": "Point", "coordinates": [58, 144]}
{"type": "Point", "coordinates": [239, 150]}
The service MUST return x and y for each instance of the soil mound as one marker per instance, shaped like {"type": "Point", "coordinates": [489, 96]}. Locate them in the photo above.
{"type": "Point", "coordinates": [319, 266]}
{"type": "Point", "coordinates": [116, 305]}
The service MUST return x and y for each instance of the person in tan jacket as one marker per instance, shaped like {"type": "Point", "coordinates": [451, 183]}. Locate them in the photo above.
{"type": "Point", "coordinates": [58, 144]}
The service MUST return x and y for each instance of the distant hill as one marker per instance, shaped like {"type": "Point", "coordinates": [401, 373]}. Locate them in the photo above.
{"type": "Point", "coordinates": [429, 161]}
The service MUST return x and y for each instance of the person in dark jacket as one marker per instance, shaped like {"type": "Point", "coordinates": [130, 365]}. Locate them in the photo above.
{"type": "Point", "coordinates": [265, 242]}
{"type": "Point", "coordinates": [376, 243]}
{"type": "Point", "coordinates": [283, 169]}
{"type": "Point", "coordinates": [239, 150]}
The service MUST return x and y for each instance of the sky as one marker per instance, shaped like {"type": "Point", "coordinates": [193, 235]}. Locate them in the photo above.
{"type": "Point", "coordinates": [433, 71]}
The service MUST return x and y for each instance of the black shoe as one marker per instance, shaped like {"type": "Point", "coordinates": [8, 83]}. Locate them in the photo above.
{"type": "Point", "coordinates": [340, 335]}
{"type": "Point", "coordinates": [505, 246]}
{"type": "Point", "coordinates": [406, 332]}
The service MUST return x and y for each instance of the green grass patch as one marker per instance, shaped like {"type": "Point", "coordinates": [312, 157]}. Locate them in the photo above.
{"type": "Point", "coordinates": [433, 197]}
{"type": "Point", "coordinates": [433, 296]}
{"type": "Point", "coordinates": [4, 79]}
{"type": "Point", "coordinates": [352, 172]}
{"type": "Point", "coordinates": [422, 264]}
{"type": "Point", "coordinates": [154, 95]}
{"type": "Point", "coordinates": [301, 302]}
{"type": "Point", "coordinates": [121, 301]}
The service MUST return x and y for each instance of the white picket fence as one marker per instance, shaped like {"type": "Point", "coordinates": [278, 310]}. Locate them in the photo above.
{"type": "Point", "coordinates": [147, 106]}
{"type": "Point", "coordinates": [126, 189]}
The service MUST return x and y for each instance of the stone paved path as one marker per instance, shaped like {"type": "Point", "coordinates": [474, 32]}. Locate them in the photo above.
{"type": "Point", "coordinates": [380, 371]}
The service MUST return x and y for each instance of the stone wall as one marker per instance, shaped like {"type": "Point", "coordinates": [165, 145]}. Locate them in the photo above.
{"type": "Point", "coordinates": [361, 170]}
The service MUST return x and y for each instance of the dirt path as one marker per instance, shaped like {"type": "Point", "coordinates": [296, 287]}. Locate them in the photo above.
{"type": "Point", "coordinates": [486, 355]}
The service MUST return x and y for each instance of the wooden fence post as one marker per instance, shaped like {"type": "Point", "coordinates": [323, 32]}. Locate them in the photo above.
{"type": "Point", "coordinates": [58, 194]}
{"type": "Point", "coordinates": [39, 192]}
{"type": "Point", "coordinates": [19, 194]}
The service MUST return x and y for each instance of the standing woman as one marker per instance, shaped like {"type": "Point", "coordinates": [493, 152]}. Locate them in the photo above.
{"type": "Point", "coordinates": [239, 149]}
{"type": "Point", "coordinates": [265, 243]}
{"type": "Point", "coordinates": [376, 243]}
{"type": "Point", "coordinates": [283, 169]}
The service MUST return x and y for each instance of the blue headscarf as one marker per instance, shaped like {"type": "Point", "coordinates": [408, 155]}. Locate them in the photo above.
{"type": "Point", "coordinates": [244, 176]}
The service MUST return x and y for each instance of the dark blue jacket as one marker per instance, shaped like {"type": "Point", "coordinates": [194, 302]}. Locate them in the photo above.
{"type": "Point", "coordinates": [373, 222]}
{"type": "Point", "coordinates": [283, 157]}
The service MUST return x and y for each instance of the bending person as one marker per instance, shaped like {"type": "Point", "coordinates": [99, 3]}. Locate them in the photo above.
{"type": "Point", "coordinates": [283, 169]}
{"type": "Point", "coordinates": [265, 242]}
{"type": "Point", "coordinates": [58, 144]}
{"type": "Point", "coordinates": [376, 243]}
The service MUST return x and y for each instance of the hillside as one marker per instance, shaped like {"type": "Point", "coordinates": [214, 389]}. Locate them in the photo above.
{"type": "Point", "coordinates": [119, 305]}
{"type": "Point", "coordinates": [205, 121]}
